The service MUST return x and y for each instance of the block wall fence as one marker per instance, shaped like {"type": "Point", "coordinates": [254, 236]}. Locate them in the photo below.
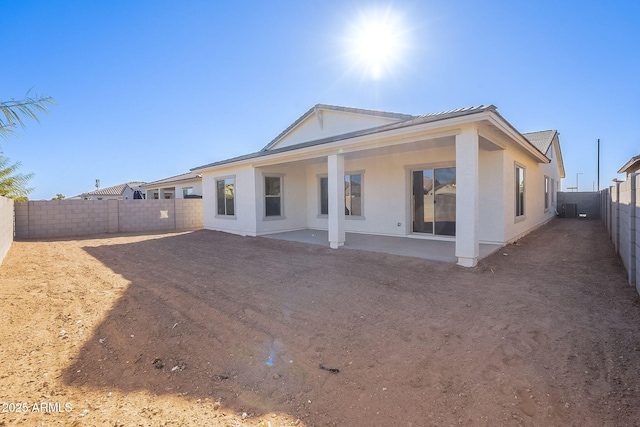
{"type": "Point", "coordinates": [619, 210]}
{"type": "Point", "coordinates": [67, 218]}
{"type": "Point", "coordinates": [6, 226]}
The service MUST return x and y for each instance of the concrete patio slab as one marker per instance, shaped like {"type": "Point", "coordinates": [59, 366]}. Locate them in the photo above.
{"type": "Point", "coordinates": [438, 250]}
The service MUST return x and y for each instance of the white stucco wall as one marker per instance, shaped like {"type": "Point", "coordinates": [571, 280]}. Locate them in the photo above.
{"type": "Point", "coordinates": [196, 185]}
{"type": "Point", "coordinates": [386, 190]}
{"type": "Point", "coordinates": [491, 197]}
{"type": "Point", "coordinates": [244, 220]}
{"type": "Point", "coordinates": [294, 199]}
{"type": "Point", "coordinates": [331, 123]}
{"type": "Point", "coordinates": [535, 213]}
{"type": "Point", "coordinates": [176, 189]}
{"type": "Point", "coordinates": [386, 194]}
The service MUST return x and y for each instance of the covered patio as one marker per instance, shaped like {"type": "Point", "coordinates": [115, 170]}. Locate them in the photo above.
{"type": "Point", "coordinates": [437, 250]}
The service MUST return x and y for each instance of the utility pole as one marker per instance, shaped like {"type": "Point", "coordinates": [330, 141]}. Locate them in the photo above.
{"type": "Point", "coordinates": [598, 164]}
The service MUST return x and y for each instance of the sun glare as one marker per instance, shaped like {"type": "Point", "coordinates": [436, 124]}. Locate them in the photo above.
{"type": "Point", "coordinates": [376, 43]}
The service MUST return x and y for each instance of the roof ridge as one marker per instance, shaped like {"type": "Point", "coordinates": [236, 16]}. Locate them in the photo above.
{"type": "Point", "coordinates": [378, 113]}
{"type": "Point", "coordinates": [540, 131]}
{"type": "Point", "coordinates": [195, 175]}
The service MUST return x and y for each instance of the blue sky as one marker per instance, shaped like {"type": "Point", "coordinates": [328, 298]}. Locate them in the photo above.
{"type": "Point", "coordinates": [149, 89]}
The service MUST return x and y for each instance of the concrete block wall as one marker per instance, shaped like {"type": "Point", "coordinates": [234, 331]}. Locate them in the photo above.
{"type": "Point", "coordinates": [6, 226]}
{"type": "Point", "coordinates": [147, 215]}
{"type": "Point", "coordinates": [587, 202]}
{"type": "Point", "coordinates": [188, 214]}
{"type": "Point", "coordinates": [54, 218]}
{"type": "Point", "coordinates": [66, 218]}
{"type": "Point", "coordinates": [622, 220]}
{"type": "Point", "coordinates": [624, 224]}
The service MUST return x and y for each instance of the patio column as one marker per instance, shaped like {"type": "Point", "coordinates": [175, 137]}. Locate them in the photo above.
{"type": "Point", "coordinates": [467, 211]}
{"type": "Point", "coordinates": [335, 168]}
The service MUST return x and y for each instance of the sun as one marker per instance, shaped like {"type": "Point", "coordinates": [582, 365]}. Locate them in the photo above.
{"type": "Point", "coordinates": [376, 42]}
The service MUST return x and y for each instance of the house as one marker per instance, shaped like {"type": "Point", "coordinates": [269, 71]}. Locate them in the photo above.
{"type": "Point", "coordinates": [466, 176]}
{"type": "Point", "coordinates": [185, 186]}
{"type": "Point", "coordinates": [632, 166]}
{"type": "Point", "coordinates": [126, 191]}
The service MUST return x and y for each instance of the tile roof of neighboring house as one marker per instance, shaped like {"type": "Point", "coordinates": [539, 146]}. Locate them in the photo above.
{"type": "Point", "coordinates": [178, 178]}
{"type": "Point", "coordinates": [116, 190]}
{"type": "Point", "coordinates": [409, 121]}
{"type": "Point", "coordinates": [634, 162]}
{"type": "Point", "coordinates": [541, 140]}
{"type": "Point", "coordinates": [317, 107]}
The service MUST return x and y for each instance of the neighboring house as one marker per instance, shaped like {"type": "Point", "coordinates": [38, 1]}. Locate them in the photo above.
{"type": "Point", "coordinates": [184, 186]}
{"type": "Point", "coordinates": [126, 191]}
{"type": "Point", "coordinates": [463, 175]}
{"type": "Point", "coordinates": [632, 166]}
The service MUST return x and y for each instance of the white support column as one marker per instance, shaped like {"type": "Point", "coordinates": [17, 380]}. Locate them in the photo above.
{"type": "Point", "coordinates": [467, 211]}
{"type": "Point", "coordinates": [335, 167]}
{"type": "Point", "coordinates": [160, 193]}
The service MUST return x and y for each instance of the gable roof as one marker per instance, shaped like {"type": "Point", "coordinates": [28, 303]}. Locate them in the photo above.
{"type": "Point", "coordinates": [541, 140]}
{"type": "Point", "coordinates": [317, 107]}
{"type": "Point", "coordinates": [189, 176]}
{"type": "Point", "coordinates": [413, 120]}
{"type": "Point", "coordinates": [633, 163]}
{"type": "Point", "coordinates": [116, 190]}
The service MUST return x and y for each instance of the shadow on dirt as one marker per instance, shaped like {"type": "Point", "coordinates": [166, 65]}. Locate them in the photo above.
{"type": "Point", "coordinates": [358, 338]}
{"type": "Point", "coordinates": [249, 321]}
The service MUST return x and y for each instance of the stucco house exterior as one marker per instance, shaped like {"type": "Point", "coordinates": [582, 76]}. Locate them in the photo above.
{"type": "Point", "coordinates": [632, 166]}
{"type": "Point", "coordinates": [183, 186]}
{"type": "Point", "coordinates": [125, 191]}
{"type": "Point", "coordinates": [464, 175]}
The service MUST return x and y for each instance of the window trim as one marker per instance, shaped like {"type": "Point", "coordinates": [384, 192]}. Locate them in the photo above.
{"type": "Point", "coordinates": [224, 178]}
{"type": "Point", "coordinates": [266, 217]}
{"type": "Point", "coordinates": [350, 216]}
{"type": "Point", "coordinates": [319, 178]}
{"type": "Point", "coordinates": [547, 190]}
{"type": "Point", "coordinates": [523, 215]}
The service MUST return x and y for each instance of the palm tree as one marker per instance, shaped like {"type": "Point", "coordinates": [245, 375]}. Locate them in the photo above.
{"type": "Point", "coordinates": [13, 111]}
{"type": "Point", "coordinates": [13, 184]}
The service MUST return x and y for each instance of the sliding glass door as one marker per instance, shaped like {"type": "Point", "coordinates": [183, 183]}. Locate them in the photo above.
{"type": "Point", "coordinates": [433, 201]}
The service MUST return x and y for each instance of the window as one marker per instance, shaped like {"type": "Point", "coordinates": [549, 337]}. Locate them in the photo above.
{"type": "Point", "coordinates": [519, 191]}
{"type": "Point", "coordinates": [188, 191]}
{"type": "Point", "coordinates": [226, 196]}
{"type": "Point", "coordinates": [546, 193]}
{"type": "Point", "coordinates": [324, 195]}
{"type": "Point", "coordinates": [352, 195]}
{"type": "Point", "coordinates": [553, 193]}
{"type": "Point", "coordinates": [273, 196]}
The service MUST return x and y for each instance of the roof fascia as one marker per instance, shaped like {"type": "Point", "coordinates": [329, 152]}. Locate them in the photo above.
{"type": "Point", "coordinates": [507, 128]}
{"type": "Point", "coordinates": [630, 163]}
{"type": "Point", "coordinates": [555, 142]}
{"type": "Point", "coordinates": [177, 181]}
{"type": "Point", "coordinates": [449, 126]}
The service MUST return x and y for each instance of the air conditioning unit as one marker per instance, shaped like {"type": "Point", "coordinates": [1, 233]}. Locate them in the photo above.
{"type": "Point", "coordinates": [569, 210]}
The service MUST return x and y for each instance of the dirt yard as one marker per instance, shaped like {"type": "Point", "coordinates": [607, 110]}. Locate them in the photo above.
{"type": "Point", "coordinates": [210, 329]}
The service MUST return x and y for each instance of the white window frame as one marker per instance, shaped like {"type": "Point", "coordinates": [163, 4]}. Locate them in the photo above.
{"type": "Point", "coordinates": [346, 174]}
{"type": "Point", "coordinates": [235, 196]}
{"type": "Point", "coordinates": [266, 217]}
{"type": "Point", "coordinates": [350, 174]}
{"type": "Point", "coordinates": [547, 190]}
{"type": "Point", "coordinates": [520, 216]}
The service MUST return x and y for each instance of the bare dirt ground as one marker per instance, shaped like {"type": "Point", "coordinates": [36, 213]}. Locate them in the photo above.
{"type": "Point", "coordinates": [210, 329]}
